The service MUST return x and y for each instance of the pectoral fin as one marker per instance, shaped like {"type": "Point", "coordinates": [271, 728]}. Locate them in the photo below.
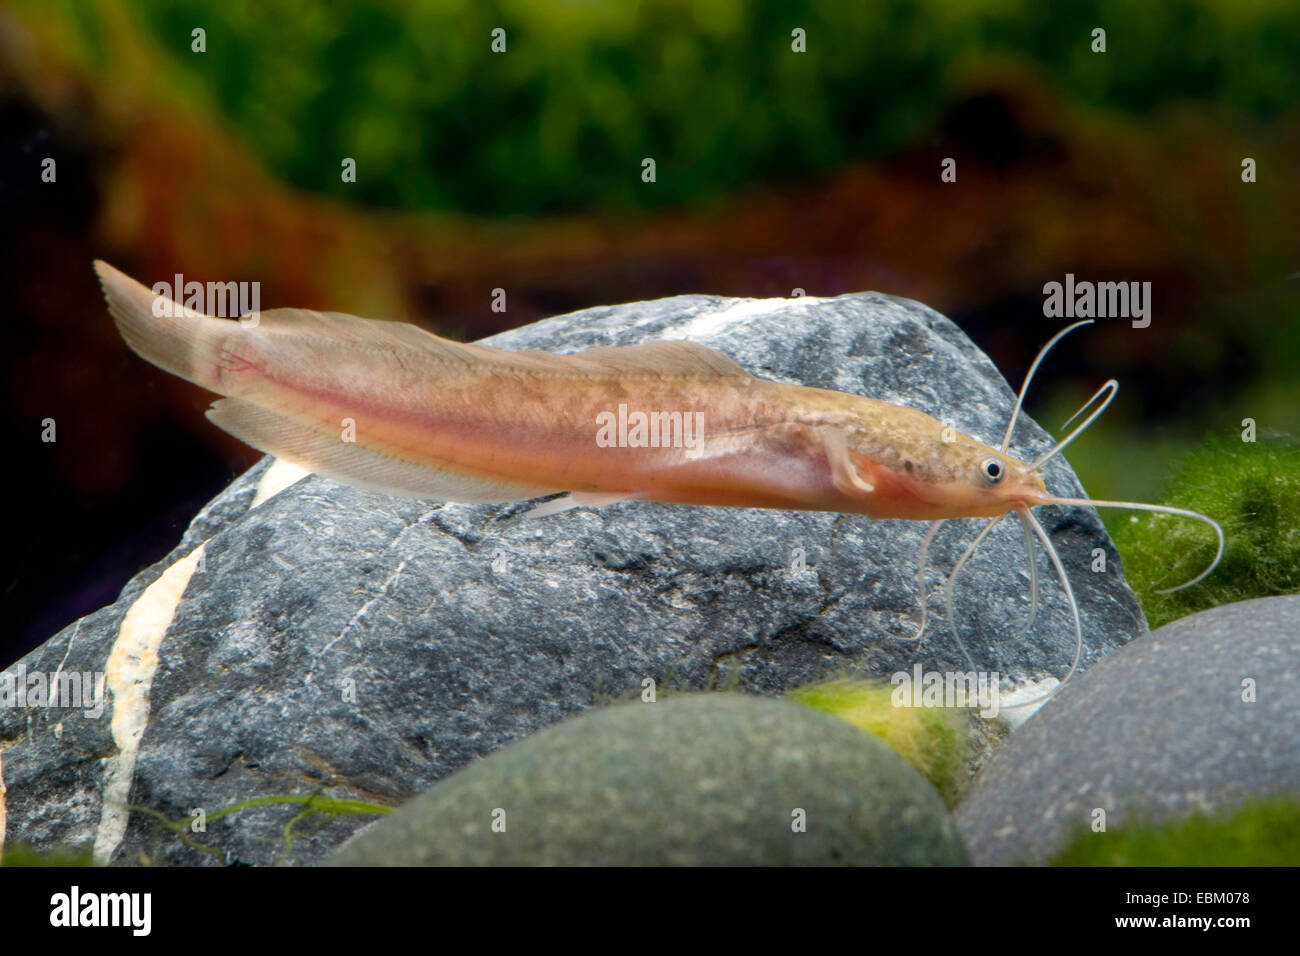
{"type": "Point", "coordinates": [844, 473]}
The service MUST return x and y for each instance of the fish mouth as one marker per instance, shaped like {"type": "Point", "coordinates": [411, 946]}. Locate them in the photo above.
{"type": "Point", "coordinates": [1028, 499]}
{"type": "Point", "coordinates": [1029, 491]}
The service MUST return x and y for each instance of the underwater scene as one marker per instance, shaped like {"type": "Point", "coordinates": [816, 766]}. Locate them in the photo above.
{"type": "Point", "coordinates": [666, 433]}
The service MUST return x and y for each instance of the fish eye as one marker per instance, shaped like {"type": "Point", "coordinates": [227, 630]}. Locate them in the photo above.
{"type": "Point", "coordinates": [992, 470]}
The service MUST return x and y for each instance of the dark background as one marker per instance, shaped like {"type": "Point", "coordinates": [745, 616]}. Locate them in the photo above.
{"type": "Point", "coordinates": [522, 170]}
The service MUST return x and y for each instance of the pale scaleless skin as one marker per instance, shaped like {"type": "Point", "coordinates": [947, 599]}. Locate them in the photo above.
{"type": "Point", "coordinates": [444, 420]}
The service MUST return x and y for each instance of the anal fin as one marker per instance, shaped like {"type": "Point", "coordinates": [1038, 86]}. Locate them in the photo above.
{"type": "Point", "coordinates": [312, 447]}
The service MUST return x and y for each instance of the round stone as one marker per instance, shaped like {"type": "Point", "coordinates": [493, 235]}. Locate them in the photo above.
{"type": "Point", "coordinates": [1202, 714]}
{"type": "Point", "coordinates": [702, 779]}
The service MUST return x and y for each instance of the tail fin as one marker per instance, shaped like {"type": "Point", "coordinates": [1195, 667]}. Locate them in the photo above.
{"type": "Point", "coordinates": [182, 342]}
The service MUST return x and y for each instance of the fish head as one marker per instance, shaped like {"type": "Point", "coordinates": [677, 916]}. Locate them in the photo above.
{"type": "Point", "coordinates": [937, 472]}
{"type": "Point", "coordinates": [966, 478]}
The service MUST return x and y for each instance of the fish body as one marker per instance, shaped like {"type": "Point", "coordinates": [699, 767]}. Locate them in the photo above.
{"type": "Point", "coordinates": [390, 407]}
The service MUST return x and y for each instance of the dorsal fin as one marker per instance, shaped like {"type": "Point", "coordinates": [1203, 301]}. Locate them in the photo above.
{"type": "Point", "coordinates": [666, 359]}
{"type": "Point", "coordinates": [304, 325]}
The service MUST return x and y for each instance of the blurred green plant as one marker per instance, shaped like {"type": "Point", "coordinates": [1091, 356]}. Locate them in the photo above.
{"type": "Point", "coordinates": [934, 740]}
{"type": "Point", "coordinates": [23, 854]}
{"type": "Point", "coordinates": [1253, 490]}
{"type": "Point", "coordinates": [711, 89]}
{"type": "Point", "coordinates": [1261, 833]}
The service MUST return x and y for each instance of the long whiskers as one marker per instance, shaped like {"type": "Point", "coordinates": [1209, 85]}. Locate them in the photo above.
{"type": "Point", "coordinates": [920, 574]}
{"type": "Point", "coordinates": [1033, 572]}
{"type": "Point", "coordinates": [1161, 509]}
{"type": "Point", "coordinates": [1094, 407]}
{"type": "Point", "coordinates": [952, 580]}
{"type": "Point", "coordinates": [1028, 516]}
{"type": "Point", "coordinates": [1029, 377]}
{"type": "Point", "coordinates": [1113, 387]}
{"type": "Point", "coordinates": [970, 552]}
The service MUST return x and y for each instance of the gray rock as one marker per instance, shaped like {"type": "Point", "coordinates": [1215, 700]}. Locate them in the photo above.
{"type": "Point", "coordinates": [704, 779]}
{"type": "Point", "coordinates": [1159, 729]}
{"type": "Point", "coordinates": [462, 628]}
